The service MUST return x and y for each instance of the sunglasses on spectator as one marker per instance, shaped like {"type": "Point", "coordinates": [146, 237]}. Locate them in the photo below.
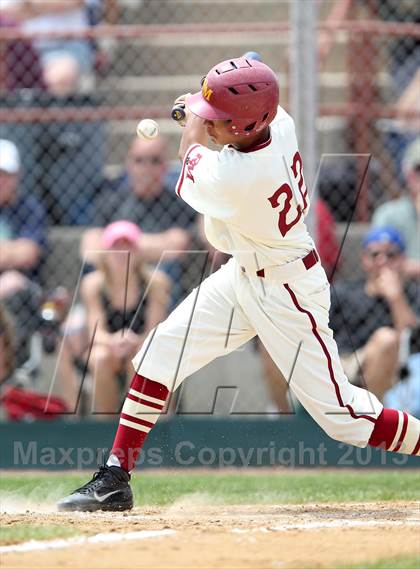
{"type": "Point", "coordinates": [154, 160]}
{"type": "Point", "coordinates": [374, 254]}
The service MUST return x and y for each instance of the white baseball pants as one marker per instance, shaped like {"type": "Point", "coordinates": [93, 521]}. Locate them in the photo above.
{"type": "Point", "coordinates": [288, 310]}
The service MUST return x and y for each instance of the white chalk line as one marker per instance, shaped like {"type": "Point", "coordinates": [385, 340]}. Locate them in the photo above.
{"type": "Point", "coordinates": [331, 524]}
{"type": "Point", "coordinates": [34, 545]}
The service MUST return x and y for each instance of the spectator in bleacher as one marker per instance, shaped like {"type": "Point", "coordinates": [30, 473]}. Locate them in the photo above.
{"type": "Point", "coordinates": [404, 213]}
{"type": "Point", "coordinates": [22, 243]}
{"type": "Point", "coordinates": [141, 195]}
{"type": "Point", "coordinates": [403, 62]}
{"type": "Point", "coordinates": [404, 51]}
{"type": "Point", "coordinates": [69, 154]}
{"type": "Point", "coordinates": [62, 76]}
{"type": "Point", "coordinates": [368, 316]}
{"type": "Point", "coordinates": [124, 300]}
{"type": "Point", "coordinates": [56, 16]}
{"type": "Point", "coordinates": [98, 12]}
{"type": "Point", "coordinates": [21, 68]}
{"type": "Point", "coordinates": [22, 218]}
{"type": "Point", "coordinates": [339, 184]}
{"type": "Point", "coordinates": [402, 59]}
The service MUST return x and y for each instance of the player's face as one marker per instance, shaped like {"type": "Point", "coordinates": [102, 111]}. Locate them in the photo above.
{"type": "Point", "coordinates": [220, 131]}
{"type": "Point", "coordinates": [379, 255]}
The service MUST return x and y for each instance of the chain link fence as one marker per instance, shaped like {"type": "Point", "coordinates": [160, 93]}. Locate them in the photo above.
{"type": "Point", "coordinates": [73, 84]}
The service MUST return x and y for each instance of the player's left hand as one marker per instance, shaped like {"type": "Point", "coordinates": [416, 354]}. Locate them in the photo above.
{"type": "Point", "coordinates": [181, 102]}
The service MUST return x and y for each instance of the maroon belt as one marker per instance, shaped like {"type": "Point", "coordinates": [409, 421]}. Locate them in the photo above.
{"type": "Point", "coordinates": [309, 261]}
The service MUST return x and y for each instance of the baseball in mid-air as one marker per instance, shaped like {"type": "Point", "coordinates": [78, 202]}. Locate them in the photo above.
{"type": "Point", "coordinates": [147, 129]}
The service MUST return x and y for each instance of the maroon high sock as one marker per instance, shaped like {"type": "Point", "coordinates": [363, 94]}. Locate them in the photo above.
{"type": "Point", "coordinates": [142, 408]}
{"type": "Point", "coordinates": [396, 431]}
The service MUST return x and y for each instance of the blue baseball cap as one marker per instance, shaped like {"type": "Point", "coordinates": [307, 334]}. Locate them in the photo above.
{"type": "Point", "coordinates": [252, 55]}
{"type": "Point", "coordinates": [384, 234]}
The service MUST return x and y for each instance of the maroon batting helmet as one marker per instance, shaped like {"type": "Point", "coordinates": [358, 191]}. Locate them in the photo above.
{"type": "Point", "coordinates": [242, 90]}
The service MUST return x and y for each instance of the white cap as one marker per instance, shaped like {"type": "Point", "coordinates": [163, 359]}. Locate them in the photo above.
{"type": "Point", "coordinates": [9, 157]}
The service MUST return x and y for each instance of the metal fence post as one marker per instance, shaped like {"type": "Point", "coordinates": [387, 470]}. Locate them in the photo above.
{"type": "Point", "coordinates": [304, 89]}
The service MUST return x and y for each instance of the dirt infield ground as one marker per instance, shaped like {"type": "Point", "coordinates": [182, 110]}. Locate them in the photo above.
{"type": "Point", "coordinates": [206, 536]}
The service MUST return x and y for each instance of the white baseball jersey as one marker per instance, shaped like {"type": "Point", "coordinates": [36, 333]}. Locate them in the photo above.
{"type": "Point", "coordinates": [254, 205]}
{"type": "Point", "coordinates": [254, 202]}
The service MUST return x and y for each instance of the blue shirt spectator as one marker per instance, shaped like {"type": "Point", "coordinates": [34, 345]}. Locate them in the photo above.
{"type": "Point", "coordinates": [22, 242]}
{"type": "Point", "coordinates": [22, 218]}
{"type": "Point", "coordinates": [153, 213]}
{"type": "Point", "coordinates": [368, 316]}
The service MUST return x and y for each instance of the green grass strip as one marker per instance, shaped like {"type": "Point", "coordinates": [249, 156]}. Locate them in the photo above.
{"type": "Point", "coordinates": [248, 487]}
{"type": "Point", "coordinates": [26, 532]}
{"type": "Point", "coordinates": [403, 562]}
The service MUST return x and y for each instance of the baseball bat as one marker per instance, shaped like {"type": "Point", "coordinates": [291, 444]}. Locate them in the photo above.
{"type": "Point", "coordinates": [178, 113]}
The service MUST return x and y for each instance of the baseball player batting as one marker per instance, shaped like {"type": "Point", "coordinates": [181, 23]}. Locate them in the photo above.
{"type": "Point", "coordinates": [253, 196]}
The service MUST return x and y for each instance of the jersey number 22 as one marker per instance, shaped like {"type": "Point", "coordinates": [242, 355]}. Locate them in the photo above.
{"type": "Point", "coordinates": [286, 190]}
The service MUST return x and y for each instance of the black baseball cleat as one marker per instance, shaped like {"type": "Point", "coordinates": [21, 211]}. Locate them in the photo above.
{"type": "Point", "coordinates": [108, 490]}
